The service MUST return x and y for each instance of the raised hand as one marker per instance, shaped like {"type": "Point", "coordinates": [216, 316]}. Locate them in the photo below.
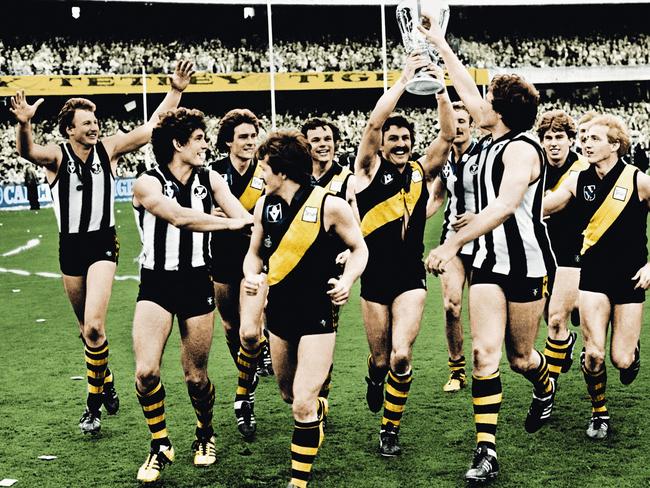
{"type": "Point", "coordinates": [182, 75]}
{"type": "Point", "coordinates": [414, 62]}
{"type": "Point", "coordinates": [22, 110]}
{"type": "Point", "coordinates": [432, 32]}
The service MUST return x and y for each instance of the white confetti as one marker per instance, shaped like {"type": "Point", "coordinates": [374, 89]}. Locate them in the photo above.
{"type": "Point", "coordinates": [40, 236]}
{"type": "Point", "coordinates": [76, 378]}
{"type": "Point", "coordinates": [41, 320]}
{"type": "Point", "coordinates": [16, 290]}
{"type": "Point", "coordinates": [47, 457]}
{"type": "Point", "coordinates": [28, 231]}
{"type": "Point", "coordinates": [8, 481]}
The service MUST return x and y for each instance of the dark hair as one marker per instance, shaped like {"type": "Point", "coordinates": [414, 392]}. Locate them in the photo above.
{"type": "Point", "coordinates": [516, 100]}
{"type": "Point", "coordinates": [175, 125]}
{"type": "Point", "coordinates": [230, 122]}
{"type": "Point", "coordinates": [458, 105]}
{"type": "Point", "coordinates": [616, 132]}
{"type": "Point", "coordinates": [66, 115]}
{"type": "Point", "coordinates": [556, 121]}
{"type": "Point", "coordinates": [288, 153]}
{"type": "Point", "coordinates": [315, 123]}
{"type": "Point", "coordinates": [398, 121]}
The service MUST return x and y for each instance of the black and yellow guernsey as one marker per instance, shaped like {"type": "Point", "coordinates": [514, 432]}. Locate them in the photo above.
{"type": "Point", "coordinates": [564, 228]}
{"type": "Point", "coordinates": [228, 249]}
{"type": "Point", "coordinates": [299, 259]}
{"type": "Point", "coordinates": [383, 205]}
{"type": "Point", "coordinates": [614, 220]}
{"type": "Point", "coordinates": [335, 180]}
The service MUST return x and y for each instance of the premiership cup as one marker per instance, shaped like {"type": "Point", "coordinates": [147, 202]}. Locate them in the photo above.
{"type": "Point", "coordinates": [409, 15]}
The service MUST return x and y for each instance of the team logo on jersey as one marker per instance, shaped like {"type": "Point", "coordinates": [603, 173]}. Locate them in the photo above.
{"type": "Point", "coordinates": [210, 301]}
{"type": "Point", "coordinates": [72, 167]}
{"type": "Point", "coordinates": [169, 189]}
{"type": "Point", "coordinates": [200, 192]}
{"type": "Point", "coordinates": [310, 214]}
{"type": "Point", "coordinates": [619, 193]}
{"type": "Point", "coordinates": [416, 177]}
{"type": "Point", "coordinates": [589, 192]}
{"type": "Point", "coordinates": [473, 168]}
{"type": "Point", "coordinates": [268, 242]}
{"type": "Point", "coordinates": [96, 167]}
{"type": "Point", "coordinates": [257, 183]}
{"type": "Point", "coordinates": [446, 170]}
{"type": "Point", "coordinates": [274, 212]}
{"type": "Point", "coordinates": [387, 178]}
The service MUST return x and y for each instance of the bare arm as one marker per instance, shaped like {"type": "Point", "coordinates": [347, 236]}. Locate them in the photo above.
{"type": "Point", "coordinates": [50, 155]}
{"type": "Point", "coordinates": [253, 265]}
{"type": "Point", "coordinates": [119, 144]}
{"type": "Point", "coordinates": [557, 200]}
{"type": "Point", "coordinates": [438, 151]}
{"type": "Point", "coordinates": [338, 217]}
{"type": "Point", "coordinates": [367, 162]}
{"type": "Point", "coordinates": [147, 192]}
{"type": "Point", "coordinates": [437, 197]}
{"type": "Point", "coordinates": [351, 196]}
{"type": "Point", "coordinates": [225, 199]}
{"type": "Point", "coordinates": [460, 77]}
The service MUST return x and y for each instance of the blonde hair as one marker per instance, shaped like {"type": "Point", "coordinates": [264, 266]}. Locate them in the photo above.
{"type": "Point", "coordinates": [616, 132]}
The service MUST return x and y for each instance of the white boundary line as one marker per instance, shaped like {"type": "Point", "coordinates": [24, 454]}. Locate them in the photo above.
{"type": "Point", "coordinates": [30, 244]}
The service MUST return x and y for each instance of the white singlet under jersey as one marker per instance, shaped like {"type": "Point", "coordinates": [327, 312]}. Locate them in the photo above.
{"type": "Point", "coordinates": [520, 246]}
{"type": "Point", "coordinates": [83, 193]}
{"type": "Point", "coordinates": [461, 182]}
{"type": "Point", "coordinates": [168, 248]}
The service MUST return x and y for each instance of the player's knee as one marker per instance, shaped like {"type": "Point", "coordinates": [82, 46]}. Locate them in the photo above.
{"type": "Point", "coordinates": [594, 360]}
{"type": "Point", "coordinates": [287, 396]}
{"type": "Point", "coordinates": [400, 360]}
{"type": "Point", "coordinates": [379, 361]}
{"type": "Point", "coordinates": [249, 337]}
{"type": "Point", "coordinates": [304, 408]}
{"type": "Point", "coordinates": [485, 358]}
{"type": "Point", "coordinates": [557, 322]}
{"type": "Point", "coordinates": [197, 380]}
{"type": "Point", "coordinates": [520, 363]}
{"type": "Point", "coordinates": [93, 330]}
{"type": "Point", "coordinates": [452, 309]}
{"type": "Point", "coordinates": [622, 360]}
{"type": "Point", "coordinates": [146, 379]}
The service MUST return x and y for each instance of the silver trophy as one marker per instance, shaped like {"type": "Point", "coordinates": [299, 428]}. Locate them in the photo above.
{"type": "Point", "coordinates": [409, 15]}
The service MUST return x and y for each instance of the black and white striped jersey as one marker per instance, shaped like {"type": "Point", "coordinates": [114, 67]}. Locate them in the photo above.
{"type": "Point", "coordinates": [168, 248]}
{"type": "Point", "coordinates": [520, 246]}
{"type": "Point", "coordinates": [83, 192]}
{"type": "Point", "coordinates": [461, 182]}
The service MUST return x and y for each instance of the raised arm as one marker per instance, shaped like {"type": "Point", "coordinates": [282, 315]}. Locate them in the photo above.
{"type": "Point", "coordinates": [438, 151]}
{"type": "Point", "coordinates": [225, 199]}
{"type": "Point", "coordinates": [520, 161]}
{"type": "Point", "coordinates": [366, 162]}
{"type": "Point", "coordinates": [437, 197]}
{"type": "Point", "coordinates": [119, 144]}
{"type": "Point", "coordinates": [50, 155]}
{"type": "Point", "coordinates": [460, 77]}
{"type": "Point", "coordinates": [554, 201]}
{"type": "Point", "coordinates": [338, 216]}
{"type": "Point", "coordinates": [147, 192]}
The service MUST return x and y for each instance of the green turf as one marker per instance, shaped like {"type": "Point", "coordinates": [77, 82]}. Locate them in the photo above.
{"type": "Point", "coordinates": [40, 405]}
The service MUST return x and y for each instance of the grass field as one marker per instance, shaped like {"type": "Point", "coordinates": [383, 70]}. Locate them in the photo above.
{"type": "Point", "coordinates": [40, 405]}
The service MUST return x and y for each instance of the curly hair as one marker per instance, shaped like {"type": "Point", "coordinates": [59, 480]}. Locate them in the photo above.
{"type": "Point", "coordinates": [230, 122]}
{"type": "Point", "coordinates": [66, 114]}
{"type": "Point", "coordinates": [398, 121]}
{"type": "Point", "coordinates": [516, 100]}
{"type": "Point", "coordinates": [616, 132]}
{"type": "Point", "coordinates": [176, 125]}
{"type": "Point", "coordinates": [556, 121]}
{"type": "Point", "coordinates": [315, 123]}
{"type": "Point", "coordinates": [288, 153]}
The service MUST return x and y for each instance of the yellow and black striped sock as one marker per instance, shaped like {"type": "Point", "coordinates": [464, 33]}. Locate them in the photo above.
{"type": "Point", "coordinates": [108, 378]}
{"type": "Point", "coordinates": [233, 349]}
{"type": "Point", "coordinates": [96, 364]}
{"type": "Point", "coordinates": [596, 387]}
{"type": "Point", "coordinates": [539, 376]}
{"type": "Point", "coordinates": [325, 389]}
{"type": "Point", "coordinates": [457, 365]}
{"type": "Point", "coordinates": [377, 375]}
{"type": "Point", "coordinates": [486, 400]}
{"type": "Point", "coordinates": [307, 438]}
{"type": "Point", "coordinates": [246, 364]}
{"type": "Point", "coordinates": [397, 392]}
{"type": "Point", "coordinates": [203, 403]}
{"type": "Point", "coordinates": [153, 407]}
{"type": "Point", "coordinates": [556, 352]}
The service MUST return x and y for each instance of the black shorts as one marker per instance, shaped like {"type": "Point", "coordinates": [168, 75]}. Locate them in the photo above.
{"type": "Point", "coordinates": [384, 284]}
{"type": "Point", "coordinates": [518, 289]}
{"type": "Point", "coordinates": [617, 285]}
{"type": "Point", "coordinates": [228, 255]}
{"type": "Point", "coordinates": [467, 260]}
{"type": "Point", "coordinates": [77, 252]}
{"type": "Point", "coordinates": [567, 255]}
{"type": "Point", "coordinates": [185, 294]}
{"type": "Point", "coordinates": [291, 324]}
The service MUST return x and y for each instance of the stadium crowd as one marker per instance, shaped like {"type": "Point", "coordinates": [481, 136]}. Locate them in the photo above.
{"type": "Point", "coordinates": [68, 56]}
{"type": "Point", "coordinates": [351, 124]}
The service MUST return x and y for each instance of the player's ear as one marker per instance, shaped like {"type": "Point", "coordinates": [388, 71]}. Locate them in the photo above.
{"type": "Point", "coordinates": [177, 145]}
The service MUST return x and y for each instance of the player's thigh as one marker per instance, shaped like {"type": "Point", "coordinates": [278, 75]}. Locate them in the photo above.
{"type": "Point", "coordinates": [452, 282]}
{"type": "Point", "coordinates": [227, 299]}
{"type": "Point", "coordinates": [99, 284]}
{"type": "Point", "coordinates": [488, 317]}
{"type": "Point", "coordinates": [252, 313]}
{"type": "Point", "coordinates": [522, 326]}
{"type": "Point", "coordinates": [75, 289]}
{"type": "Point", "coordinates": [284, 356]}
{"type": "Point", "coordinates": [196, 340]}
{"type": "Point", "coordinates": [315, 355]}
{"type": "Point", "coordinates": [376, 318]}
{"type": "Point", "coordinates": [406, 316]}
{"type": "Point", "coordinates": [152, 325]}
{"type": "Point", "coordinates": [565, 292]}
{"type": "Point", "coordinates": [595, 310]}
{"type": "Point", "coordinates": [626, 329]}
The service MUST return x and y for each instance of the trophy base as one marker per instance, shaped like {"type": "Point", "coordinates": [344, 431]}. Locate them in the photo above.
{"type": "Point", "coordinates": [424, 85]}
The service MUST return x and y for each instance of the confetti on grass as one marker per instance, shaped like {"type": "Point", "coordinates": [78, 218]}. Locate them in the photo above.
{"type": "Point", "coordinates": [47, 457]}
{"type": "Point", "coordinates": [8, 482]}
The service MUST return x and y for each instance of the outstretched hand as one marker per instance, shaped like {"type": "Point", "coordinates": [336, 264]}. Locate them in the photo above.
{"type": "Point", "coordinates": [182, 75]}
{"type": "Point", "coordinates": [22, 110]}
{"type": "Point", "coordinates": [432, 32]}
